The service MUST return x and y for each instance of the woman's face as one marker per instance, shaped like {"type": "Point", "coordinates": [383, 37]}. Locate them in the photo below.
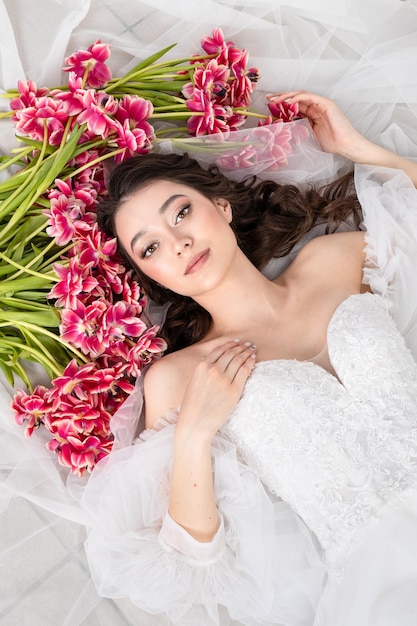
{"type": "Point", "coordinates": [177, 237]}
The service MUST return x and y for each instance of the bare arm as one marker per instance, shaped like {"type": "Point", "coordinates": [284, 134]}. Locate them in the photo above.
{"type": "Point", "coordinates": [337, 135]}
{"type": "Point", "coordinates": [214, 390]}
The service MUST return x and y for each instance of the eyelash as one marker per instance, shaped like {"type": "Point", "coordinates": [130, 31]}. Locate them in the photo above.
{"type": "Point", "coordinates": [145, 252]}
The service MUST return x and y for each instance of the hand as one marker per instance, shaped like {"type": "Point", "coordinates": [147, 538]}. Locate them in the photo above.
{"type": "Point", "coordinates": [332, 128]}
{"type": "Point", "coordinates": [215, 388]}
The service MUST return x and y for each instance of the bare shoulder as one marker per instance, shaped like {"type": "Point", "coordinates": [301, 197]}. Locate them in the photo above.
{"type": "Point", "coordinates": [343, 244]}
{"type": "Point", "coordinates": [165, 383]}
{"type": "Point", "coordinates": [339, 256]}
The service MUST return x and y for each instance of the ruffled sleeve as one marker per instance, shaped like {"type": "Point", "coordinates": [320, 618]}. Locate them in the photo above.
{"type": "Point", "coordinates": [389, 204]}
{"type": "Point", "coordinates": [263, 566]}
{"type": "Point", "coordinates": [175, 538]}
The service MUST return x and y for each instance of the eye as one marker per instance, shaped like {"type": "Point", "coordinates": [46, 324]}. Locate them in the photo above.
{"type": "Point", "coordinates": [148, 250]}
{"type": "Point", "coordinates": [182, 213]}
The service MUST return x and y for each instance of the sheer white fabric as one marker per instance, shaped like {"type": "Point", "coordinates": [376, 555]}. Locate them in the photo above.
{"type": "Point", "coordinates": [361, 54]}
{"type": "Point", "coordinates": [264, 565]}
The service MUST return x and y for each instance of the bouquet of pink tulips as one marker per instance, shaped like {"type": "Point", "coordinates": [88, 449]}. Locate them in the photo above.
{"type": "Point", "coordinates": [66, 299]}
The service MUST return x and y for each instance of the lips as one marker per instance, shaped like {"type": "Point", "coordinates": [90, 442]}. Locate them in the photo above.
{"type": "Point", "coordinates": [197, 261]}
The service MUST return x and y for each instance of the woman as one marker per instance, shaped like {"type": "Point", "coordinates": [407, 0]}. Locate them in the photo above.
{"type": "Point", "coordinates": [303, 382]}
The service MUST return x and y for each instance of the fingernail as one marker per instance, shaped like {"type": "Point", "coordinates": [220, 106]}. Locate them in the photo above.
{"type": "Point", "coordinates": [237, 340]}
{"type": "Point", "coordinates": [247, 344]}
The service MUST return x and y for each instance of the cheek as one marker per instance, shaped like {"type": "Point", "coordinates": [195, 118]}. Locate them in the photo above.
{"type": "Point", "coordinates": [157, 271]}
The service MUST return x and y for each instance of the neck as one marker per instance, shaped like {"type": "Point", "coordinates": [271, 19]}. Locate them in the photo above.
{"type": "Point", "coordinates": [239, 299]}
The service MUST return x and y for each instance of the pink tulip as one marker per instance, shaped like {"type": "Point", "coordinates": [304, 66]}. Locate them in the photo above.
{"type": "Point", "coordinates": [28, 95]}
{"type": "Point", "coordinates": [98, 109]}
{"type": "Point", "coordinates": [45, 113]}
{"type": "Point", "coordinates": [74, 281]}
{"type": "Point", "coordinates": [31, 409]}
{"type": "Point", "coordinates": [82, 326]}
{"type": "Point", "coordinates": [91, 64]}
{"type": "Point", "coordinates": [285, 111]}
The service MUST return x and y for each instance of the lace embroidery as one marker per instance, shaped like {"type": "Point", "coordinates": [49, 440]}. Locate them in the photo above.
{"type": "Point", "coordinates": [336, 450]}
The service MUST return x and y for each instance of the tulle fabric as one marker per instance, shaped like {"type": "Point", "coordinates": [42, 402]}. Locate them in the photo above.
{"type": "Point", "coordinates": [264, 567]}
{"type": "Point", "coordinates": [391, 242]}
{"type": "Point", "coordinates": [361, 54]}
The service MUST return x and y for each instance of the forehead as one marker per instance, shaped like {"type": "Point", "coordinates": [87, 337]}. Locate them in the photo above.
{"type": "Point", "coordinates": [144, 207]}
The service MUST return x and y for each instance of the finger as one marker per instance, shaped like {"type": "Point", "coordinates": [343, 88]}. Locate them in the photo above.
{"type": "Point", "coordinates": [293, 96]}
{"type": "Point", "coordinates": [243, 372]}
{"type": "Point", "coordinates": [230, 364]}
{"type": "Point", "coordinates": [282, 95]}
{"type": "Point", "coordinates": [233, 358]}
{"type": "Point", "coordinates": [298, 95]}
{"type": "Point", "coordinates": [216, 353]}
{"type": "Point", "coordinates": [308, 103]}
{"type": "Point", "coordinates": [226, 361]}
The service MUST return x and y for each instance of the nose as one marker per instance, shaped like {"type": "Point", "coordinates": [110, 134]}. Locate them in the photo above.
{"type": "Point", "coordinates": [181, 244]}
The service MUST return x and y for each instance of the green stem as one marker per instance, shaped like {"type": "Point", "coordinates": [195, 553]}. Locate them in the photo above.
{"type": "Point", "coordinates": [65, 135]}
{"type": "Point", "coordinates": [168, 78]}
{"type": "Point", "coordinates": [24, 304]}
{"type": "Point", "coordinates": [10, 161]}
{"type": "Point", "coordinates": [180, 61]}
{"type": "Point", "coordinates": [177, 116]}
{"type": "Point", "coordinates": [148, 67]}
{"type": "Point", "coordinates": [94, 162]}
{"type": "Point", "coordinates": [50, 169]}
{"type": "Point", "coordinates": [47, 333]}
{"type": "Point", "coordinates": [165, 131]}
{"type": "Point", "coordinates": [26, 270]}
{"type": "Point", "coordinates": [40, 358]}
{"type": "Point", "coordinates": [172, 107]}
{"type": "Point", "coordinates": [21, 372]}
{"type": "Point", "coordinates": [58, 256]}
{"type": "Point", "coordinates": [157, 85]}
{"type": "Point", "coordinates": [250, 113]}
{"type": "Point", "coordinates": [36, 232]}
{"type": "Point", "coordinates": [44, 351]}
{"type": "Point", "coordinates": [32, 171]}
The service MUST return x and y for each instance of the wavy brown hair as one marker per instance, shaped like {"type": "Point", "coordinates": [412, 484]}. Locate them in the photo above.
{"type": "Point", "coordinates": [268, 220]}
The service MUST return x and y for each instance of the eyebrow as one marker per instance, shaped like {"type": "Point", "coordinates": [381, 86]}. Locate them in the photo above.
{"type": "Point", "coordinates": [162, 209]}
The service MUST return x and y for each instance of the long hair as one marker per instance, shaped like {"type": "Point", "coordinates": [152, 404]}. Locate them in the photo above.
{"type": "Point", "coordinates": [268, 220]}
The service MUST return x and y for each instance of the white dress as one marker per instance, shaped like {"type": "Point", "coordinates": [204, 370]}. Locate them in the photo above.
{"type": "Point", "coordinates": [315, 480]}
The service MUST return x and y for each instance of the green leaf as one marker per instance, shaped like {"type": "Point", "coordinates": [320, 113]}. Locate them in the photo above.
{"type": "Point", "coordinates": [24, 305]}
{"type": "Point", "coordinates": [37, 145]}
{"type": "Point", "coordinates": [157, 86]}
{"type": "Point", "coordinates": [45, 319]}
{"type": "Point", "coordinates": [8, 371]}
{"type": "Point", "coordinates": [26, 195]}
{"type": "Point", "coordinates": [34, 296]}
{"type": "Point", "coordinates": [134, 71]}
{"type": "Point", "coordinates": [23, 284]}
{"type": "Point", "coordinates": [13, 182]}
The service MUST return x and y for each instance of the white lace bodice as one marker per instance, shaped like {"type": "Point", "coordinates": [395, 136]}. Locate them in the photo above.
{"type": "Point", "coordinates": [336, 449]}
